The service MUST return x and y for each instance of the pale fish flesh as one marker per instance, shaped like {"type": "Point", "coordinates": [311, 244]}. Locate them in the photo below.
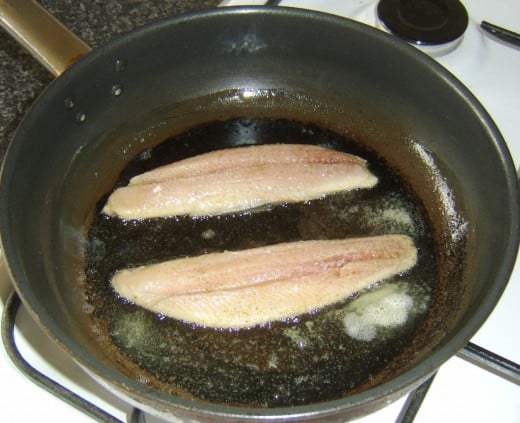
{"type": "Point", "coordinates": [237, 289]}
{"type": "Point", "coordinates": [237, 179]}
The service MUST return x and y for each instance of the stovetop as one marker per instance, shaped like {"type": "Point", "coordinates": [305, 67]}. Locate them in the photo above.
{"type": "Point", "coordinates": [460, 391]}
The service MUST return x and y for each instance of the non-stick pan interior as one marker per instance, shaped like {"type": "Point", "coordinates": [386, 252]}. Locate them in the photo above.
{"type": "Point", "coordinates": [272, 63]}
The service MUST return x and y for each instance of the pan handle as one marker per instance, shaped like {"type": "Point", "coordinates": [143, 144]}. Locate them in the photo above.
{"type": "Point", "coordinates": [41, 34]}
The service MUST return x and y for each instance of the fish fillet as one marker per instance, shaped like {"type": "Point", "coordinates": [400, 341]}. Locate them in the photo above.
{"type": "Point", "coordinates": [237, 289]}
{"type": "Point", "coordinates": [237, 179]}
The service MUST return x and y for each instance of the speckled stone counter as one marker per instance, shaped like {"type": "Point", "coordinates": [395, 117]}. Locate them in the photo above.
{"type": "Point", "coordinates": [22, 78]}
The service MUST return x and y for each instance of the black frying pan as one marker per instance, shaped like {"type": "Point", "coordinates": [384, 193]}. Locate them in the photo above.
{"type": "Point", "coordinates": [271, 64]}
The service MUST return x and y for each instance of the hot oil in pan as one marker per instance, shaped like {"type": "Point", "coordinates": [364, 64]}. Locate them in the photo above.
{"type": "Point", "coordinates": [314, 357]}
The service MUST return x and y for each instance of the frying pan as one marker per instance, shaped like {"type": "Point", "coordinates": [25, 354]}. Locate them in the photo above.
{"type": "Point", "coordinates": [269, 63]}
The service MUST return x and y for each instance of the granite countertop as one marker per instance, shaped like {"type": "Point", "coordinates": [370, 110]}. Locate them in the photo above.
{"type": "Point", "coordinates": [22, 78]}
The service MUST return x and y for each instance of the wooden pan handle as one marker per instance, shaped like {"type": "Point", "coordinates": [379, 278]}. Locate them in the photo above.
{"type": "Point", "coordinates": [40, 33]}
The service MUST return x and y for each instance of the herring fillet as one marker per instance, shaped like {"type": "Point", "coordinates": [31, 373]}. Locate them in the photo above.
{"type": "Point", "coordinates": [238, 179]}
{"type": "Point", "coordinates": [238, 289]}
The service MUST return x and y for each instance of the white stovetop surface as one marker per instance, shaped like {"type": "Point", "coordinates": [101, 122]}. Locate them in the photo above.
{"type": "Point", "coordinates": [461, 391]}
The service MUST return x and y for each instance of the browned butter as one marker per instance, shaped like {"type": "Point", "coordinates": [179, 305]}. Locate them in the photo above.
{"type": "Point", "coordinates": [315, 357]}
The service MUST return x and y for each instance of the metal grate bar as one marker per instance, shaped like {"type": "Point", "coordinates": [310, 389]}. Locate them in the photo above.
{"type": "Point", "coordinates": [491, 362]}
{"type": "Point", "coordinates": [414, 401]}
{"type": "Point", "coordinates": [8, 323]}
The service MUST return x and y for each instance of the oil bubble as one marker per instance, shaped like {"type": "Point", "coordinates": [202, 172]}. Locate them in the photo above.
{"type": "Point", "coordinates": [208, 234]}
{"type": "Point", "coordinates": [388, 307]}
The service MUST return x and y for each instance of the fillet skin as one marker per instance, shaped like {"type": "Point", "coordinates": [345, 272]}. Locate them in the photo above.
{"type": "Point", "coordinates": [238, 179]}
{"type": "Point", "coordinates": [238, 289]}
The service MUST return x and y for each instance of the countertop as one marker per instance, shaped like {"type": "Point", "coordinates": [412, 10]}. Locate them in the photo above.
{"type": "Point", "coordinates": [22, 78]}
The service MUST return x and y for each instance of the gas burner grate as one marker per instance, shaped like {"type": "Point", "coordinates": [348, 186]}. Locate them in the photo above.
{"type": "Point", "coordinates": [472, 353]}
{"type": "Point", "coordinates": [11, 308]}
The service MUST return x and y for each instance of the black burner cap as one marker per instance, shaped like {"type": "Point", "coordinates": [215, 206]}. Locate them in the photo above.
{"type": "Point", "coordinates": [424, 22]}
